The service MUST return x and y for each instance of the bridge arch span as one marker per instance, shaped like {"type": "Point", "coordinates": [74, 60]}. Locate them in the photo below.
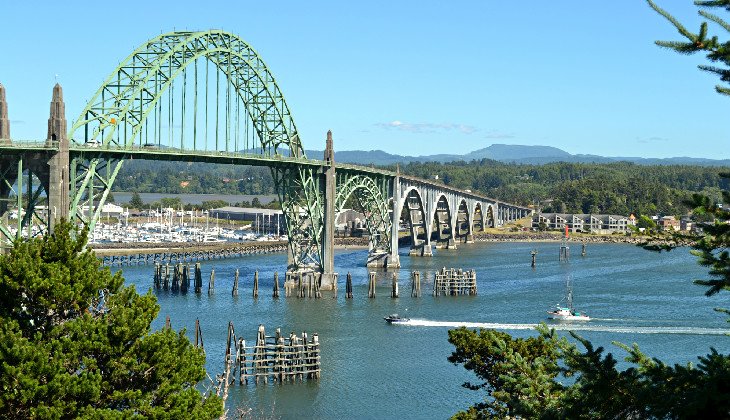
{"type": "Point", "coordinates": [462, 226]}
{"type": "Point", "coordinates": [413, 213]}
{"type": "Point", "coordinates": [443, 217]}
{"type": "Point", "coordinates": [372, 200]}
{"type": "Point", "coordinates": [116, 114]}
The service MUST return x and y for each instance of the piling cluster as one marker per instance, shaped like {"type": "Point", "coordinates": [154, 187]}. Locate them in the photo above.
{"type": "Point", "coordinates": [447, 282]}
{"type": "Point", "coordinates": [274, 357]}
{"type": "Point", "coordinates": [303, 284]}
{"type": "Point", "coordinates": [455, 282]}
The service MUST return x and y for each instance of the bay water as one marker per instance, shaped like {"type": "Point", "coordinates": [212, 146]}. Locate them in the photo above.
{"type": "Point", "coordinates": [371, 369]}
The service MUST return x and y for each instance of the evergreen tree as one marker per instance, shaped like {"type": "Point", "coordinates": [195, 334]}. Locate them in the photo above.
{"type": "Point", "coordinates": [75, 342]}
{"type": "Point", "coordinates": [136, 201]}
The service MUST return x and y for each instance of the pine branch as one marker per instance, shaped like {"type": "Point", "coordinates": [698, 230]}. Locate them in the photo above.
{"type": "Point", "coordinates": [680, 47]}
{"type": "Point", "coordinates": [682, 30]}
{"type": "Point", "coordinates": [714, 3]}
{"type": "Point", "coordinates": [715, 18]}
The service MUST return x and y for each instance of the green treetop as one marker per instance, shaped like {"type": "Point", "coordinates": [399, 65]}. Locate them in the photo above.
{"type": "Point", "coordinates": [75, 342]}
{"type": "Point", "coordinates": [717, 51]}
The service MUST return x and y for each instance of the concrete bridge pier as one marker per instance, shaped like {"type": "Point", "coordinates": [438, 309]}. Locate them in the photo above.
{"type": "Point", "coordinates": [330, 195]}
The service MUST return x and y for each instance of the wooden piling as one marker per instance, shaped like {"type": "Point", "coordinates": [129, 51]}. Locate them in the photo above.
{"type": "Point", "coordinates": [198, 279]}
{"type": "Point", "coordinates": [348, 286]}
{"type": "Point", "coordinates": [394, 290]}
{"type": "Point", "coordinates": [310, 290]}
{"type": "Point", "coordinates": [211, 283]}
{"type": "Point", "coordinates": [276, 285]}
{"type": "Point", "coordinates": [335, 277]}
{"type": "Point", "coordinates": [256, 284]}
{"type": "Point", "coordinates": [371, 285]}
{"type": "Point", "coordinates": [234, 292]}
{"type": "Point", "coordinates": [185, 284]}
{"type": "Point", "coordinates": [176, 275]}
{"type": "Point", "coordinates": [198, 335]}
{"type": "Point", "coordinates": [583, 250]}
{"type": "Point", "coordinates": [300, 287]}
{"type": "Point", "coordinates": [533, 253]}
{"type": "Point", "coordinates": [259, 356]}
{"type": "Point", "coordinates": [415, 284]}
{"type": "Point", "coordinates": [166, 280]}
{"type": "Point", "coordinates": [316, 279]}
{"type": "Point", "coordinates": [168, 325]}
{"type": "Point", "coordinates": [157, 277]}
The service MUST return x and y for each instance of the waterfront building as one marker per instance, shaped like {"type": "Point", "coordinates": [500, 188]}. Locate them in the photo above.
{"type": "Point", "coordinates": [595, 223]}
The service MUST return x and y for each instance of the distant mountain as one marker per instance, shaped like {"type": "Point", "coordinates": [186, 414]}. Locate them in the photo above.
{"type": "Point", "coordinates": [510, 153]}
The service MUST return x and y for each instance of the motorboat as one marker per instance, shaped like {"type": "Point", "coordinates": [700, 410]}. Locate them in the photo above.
{"type": "Point", "coordinates": [395, 319]}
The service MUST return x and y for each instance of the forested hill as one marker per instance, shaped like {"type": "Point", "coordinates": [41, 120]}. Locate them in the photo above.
{"type": "Point", "coordinates": [617, 188]}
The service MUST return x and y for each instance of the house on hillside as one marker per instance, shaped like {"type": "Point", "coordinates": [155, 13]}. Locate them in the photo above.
{"type": "Point", "coordinates": [668, 223]}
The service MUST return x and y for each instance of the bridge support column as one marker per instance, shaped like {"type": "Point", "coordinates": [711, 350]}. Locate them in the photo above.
{"type": "Point", "coordinates": [394, 258]}
{"type": "Point", "coordinates": [58, 164]}
{"type": "Point", "coordinates": [328, 240]}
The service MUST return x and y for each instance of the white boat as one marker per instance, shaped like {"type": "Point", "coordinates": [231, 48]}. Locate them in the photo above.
{"type": "Point", "coordinates": [567, 313]}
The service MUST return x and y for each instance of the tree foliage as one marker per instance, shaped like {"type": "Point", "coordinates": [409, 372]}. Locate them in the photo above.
{"type": "Point", "coordinates": [75, 342]}
{"type": "Point", "coordinates": [717, 51]}
{"type": "Point", "coordinates": [136, 201]}
{"type": "Point", "coordinates": [548, 377]}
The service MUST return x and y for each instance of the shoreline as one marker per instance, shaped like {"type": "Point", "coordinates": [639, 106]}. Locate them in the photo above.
{"type": "Point", "coordinates": [575, 238]}
{"type": "Point", "coordinates": [117, 249]}
{"type": "Point", "coordinates": [124, 249]}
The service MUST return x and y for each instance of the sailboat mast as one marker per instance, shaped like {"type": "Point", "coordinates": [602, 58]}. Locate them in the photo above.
{"type": "Point", "coordinates": [569, 292]}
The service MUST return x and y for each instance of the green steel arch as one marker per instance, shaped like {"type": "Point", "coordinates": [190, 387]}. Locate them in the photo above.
{"type": "Point", "coordinates": [372, 197]}
{"type": "Point", "coordinates": [114, 120]}
{"type": "Point", "coordinates": [115, 115]}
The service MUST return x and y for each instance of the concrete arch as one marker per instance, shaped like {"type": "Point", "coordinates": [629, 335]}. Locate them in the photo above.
{"type": "Point", "coordinates": [489, 218]}
{"type": "Point", "coordinates": [443, 222]}
{"type": "Point", "coordinates": [413, 213]}
{"type": "Point", "coordinates": [374, 205]}
{"type": "Point", "coordinates": [477, 218]}
{"type": "Point", "coordinates": [462, 226]}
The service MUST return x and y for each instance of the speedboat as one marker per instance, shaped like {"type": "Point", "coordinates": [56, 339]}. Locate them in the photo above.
{"type": "Point", "coordinates": [395, 319]}
{"type": "Point", "coordinates": [567, 314]}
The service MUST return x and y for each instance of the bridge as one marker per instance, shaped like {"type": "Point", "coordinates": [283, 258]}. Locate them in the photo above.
{"type": "Point", "coordinates": [209, 97]}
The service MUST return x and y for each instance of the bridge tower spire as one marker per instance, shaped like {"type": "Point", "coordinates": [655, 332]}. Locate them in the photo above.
{"type": "Point", "coordinates": [330, 196]}
{"type": "Point", "coordinates": [58, 184]}
{"type": "Point", "coordinates": [4, 121]}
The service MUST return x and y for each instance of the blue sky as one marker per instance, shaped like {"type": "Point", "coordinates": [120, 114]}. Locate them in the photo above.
{"type": "Point", "coordinates": [408, 77]}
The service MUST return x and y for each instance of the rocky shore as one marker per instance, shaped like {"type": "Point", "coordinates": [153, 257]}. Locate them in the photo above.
{"type": "Point", "coordinates": [557, 237]}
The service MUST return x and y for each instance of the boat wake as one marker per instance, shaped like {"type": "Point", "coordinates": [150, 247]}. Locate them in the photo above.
{"type": "Point", "coordinates": [566, 326]}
